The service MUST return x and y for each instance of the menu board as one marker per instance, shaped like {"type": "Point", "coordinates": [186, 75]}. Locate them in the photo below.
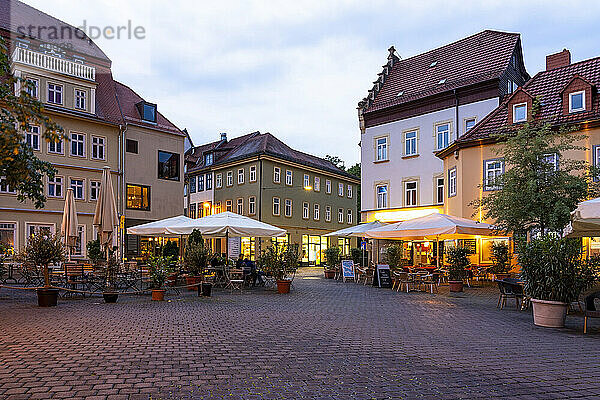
{"type": "Point", "coordinates": [348, 269]}
{"type": "Point", "coordinates": [383, 277]}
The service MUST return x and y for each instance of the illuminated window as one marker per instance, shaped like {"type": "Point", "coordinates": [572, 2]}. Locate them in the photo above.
{"type": "Point", "coordinates": [168, 165]}
{"type": "Point", "coordinates": [382, 196]}
{"type": "Point", "coordinates": [8, 235]}
{"type": "Point", "coordinates": [192, 211]}
{"type": "Point", "coordinates": [306, 181]}
{"type": "Point", "coordinates": [138, 197]}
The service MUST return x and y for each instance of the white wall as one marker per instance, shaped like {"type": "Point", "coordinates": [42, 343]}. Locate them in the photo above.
{"type": "Point", "coordinates": [423, 167]}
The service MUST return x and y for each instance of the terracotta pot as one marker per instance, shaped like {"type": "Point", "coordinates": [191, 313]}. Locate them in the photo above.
{"type": "Point", "coordinates": [192, 280]}
{"type": "Point", "coordinates": [456, 286]}
{"type": "Point", "coordinates": [110, 297]}
{"type": "Point", "coordinates": [502, 276]}
{"type": "Point", "coordinates": [47, 297]}
{"type": "Point", "coordinates": [158, 294]}
{"type": "Point", "coordinates": [550, 314]}
{"type": "Point", "coordinates": [283, 286]}
{"type": "Point", "coordinates": [329, 274]}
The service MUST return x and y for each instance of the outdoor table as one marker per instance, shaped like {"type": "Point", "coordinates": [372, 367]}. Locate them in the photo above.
{"type": "Point", "coordinates": [11, 271]}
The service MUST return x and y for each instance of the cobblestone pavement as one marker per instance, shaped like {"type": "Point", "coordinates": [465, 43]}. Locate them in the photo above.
{"type": "Point", "coordinates": [326, 340]}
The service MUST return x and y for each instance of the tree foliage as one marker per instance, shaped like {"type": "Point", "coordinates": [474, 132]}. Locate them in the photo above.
{"type": "Point", "coordinates": [458, 260]}
{"type": "Point", "coordinates": [41, 250]}
{"type": "Point", "coordinates": [335, 160]}
{"type": "Point", "coordinates": [23, 171]}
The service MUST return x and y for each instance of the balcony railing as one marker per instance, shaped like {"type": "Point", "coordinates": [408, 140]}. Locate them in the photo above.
{"type": "Point", "coordinates": [55, 64]}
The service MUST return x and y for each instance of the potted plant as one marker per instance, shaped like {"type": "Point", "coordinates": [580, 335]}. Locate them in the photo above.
{"type": "Point", "coordinates": [43, 250]}
{"type": "Point", "coordinates": [159, 270]}
{"type": "Point", "coordinates": [458, 260]}
{"type": "Point", "coordinates": [356, 255]}
{"type": "Point", "coordinates": [94, 251]}
{"type": "Point", "coordinates": [110, 293]}
{"type": "Point", "coordinates": [195, 258]}
{"type": "Point", "coordinates": [332, 259]}
{"type": "Point", "coordinates": [394, 256]}
{"type": "Point", "coordinates": [280, 262]}
{"type": "Point", "coordinates": [500, 260]}
{"type": "Point", "coordinates": [554, 274]}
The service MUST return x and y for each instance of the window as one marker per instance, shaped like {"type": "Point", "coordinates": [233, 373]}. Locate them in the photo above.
{"type": "Point", "coordinates": [316, 212]}
{"type": "Point", "coordinates": [192, 211]}
{"type": "Point", "coordinates": [33, 137]}
{"type": "Point", "coordinates": [168, 165]}
{"type": "Point", "coordinates": [208, 181]}
{"type": "Point", "coordinates": [252, 177]}
{"type": "Point", "coordinates": [288, 207]}
{"type": "Point", "coordinates": [131, 146]}
{"type": "Point", "coordinates": [577, 101]}
{"type": "Point", "coordinates": [519, 112]}
{"type": "Point", "coordinates": [192, 184]}
{"type": "Point", "coordinates": [8, 234]}
{"type": "Point", "coordinates": [288, 177]}
{"type": "Point", "coordinates": [208, 159]}
{"type": "Point", "coordinates": [382, 149]}
{"type": "Point", "coordinates": [78, 248]}
{"type": "Point", "coordinates": [306, 181]}
{"type": "Point", "coordinates": [78, 187]}
{"type": "Point", "coordinates": [240, 206]}
{"type": "Point", "coordinates": [276, 206]}
{"type": "Point", "coordinates": [200, 183]}
{"type": "Point", "coordinates": [442, 134]}
{"type": "Point", "coordinates": [349, 219]}
{"type": "Point", "coordinates": [327, 186]}
{"type": "Point", "coordinates": [252, 205]}
{"type": "Point", "coordinates": [439, 193]}
{"type": "Point", "coordinates": [94, 190]}
{"type": "Point", "coordinates": [55, 93]}
{"type": "Point", "coordinates": [4, 187]}
{"type": "Point", "coordinates": [138, 197]}
{"type": "Point", "coordinates": [305, 210]}
{"type": "Point", "coordinates": [552, 160]}
{"type": "Point", "coordinates": [55, 187]}
{"type": "Point", "coordinates": [349, 191]}
{"type": "Point", "coordinates": [341, 215]}
{"type": "Point", "coordinates": [511, 86]}
{"type": "Point", "coordinates": [410, 143]}
{"type": "Point", "coordinates": [218, 207]}
{"type": "Point", "coordinates": [410, 193]}
{"type": "Point", "coordinates": [219, 180]}
{"type": "Point", "coordinates": [147, 111]}
{"type": "Point", "coordinates": [276, 175]}
{"type": "Point", "coordinates": [240, 176]}
{"type": "Point", "coordinates": [469, 123]}
{"type": "Point", "coordinates": [229, 205]}
{"type": "Point", "coordinates": [32, 88]}
{"type": "Point", "coordinates": [39, 229]}
{"type": "Point", "coordinates": [80, 99]}
{"type": "Point", "coordinates": [382, 196]}
{"type": "Point", "coordinates": [317, 187]}
{"type": "Point", "coordinates": [452, 182]}
{"type": "Point", "coordinates": [493, 169]}
{"type": "Point", "coordinates": [98, 148]}
{"type": "Point", "coordinates": [341, 189]}
{"type": "Point", "coordinates": [328, 213]}
{"type": "Point", "coordinates": [55, 147]}
{"type": "Point", "coordinates": [78, 144]}
{"type": "Point", "coordinates": [229, 178]}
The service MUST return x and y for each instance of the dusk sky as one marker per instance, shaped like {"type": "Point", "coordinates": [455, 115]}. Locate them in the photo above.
{"type": "Point", "coordinates": [297, 69]}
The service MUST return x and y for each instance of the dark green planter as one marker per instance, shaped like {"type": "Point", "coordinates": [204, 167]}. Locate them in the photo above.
{"type": "Point", "coordinates": [110, 297]}
{"type": "Point", "coordinates": [47, 297]}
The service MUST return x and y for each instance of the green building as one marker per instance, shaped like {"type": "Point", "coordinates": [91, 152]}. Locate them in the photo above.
{"type": "Point", "coordinates": [259, 176]}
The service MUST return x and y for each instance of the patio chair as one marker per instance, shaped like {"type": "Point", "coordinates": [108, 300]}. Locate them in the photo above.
{"type": "Point", "coordinates": [236, 279]}
{"type": "Point", "coordinates": [590, 309]}
{"type": "Point", "coordinates": [74, 277]}
{"type": "Point", "coordinates": [369, 275]}
{"type": "Point", "coordinates": [431, 282]}
{"type": "Point", "coordinates": [509, 290]}
{"type": "Point", "coordinates": [402, 279]}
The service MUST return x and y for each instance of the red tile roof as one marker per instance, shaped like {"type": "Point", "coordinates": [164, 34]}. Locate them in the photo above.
{"type": "Point", "coordinates": [471, 60]}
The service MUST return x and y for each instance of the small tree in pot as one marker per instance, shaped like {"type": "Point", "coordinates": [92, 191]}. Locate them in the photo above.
{"type": "Point", "coordinates": [196, 258]}
{"type": "Point", "coordinates": [394, 255]}
{"type": "Point", "coordinates": [159, 270]}
{"type": "Point", "coordinates": [280, 262]}
{"type": "Point", "coordinates": [332, 258]}
{"type": "Point", "coordinates": [458, 260]}
{"type": "Point", "coordinates": [554, 274]}
{"type": "Point", "coordinates": [500, 259]}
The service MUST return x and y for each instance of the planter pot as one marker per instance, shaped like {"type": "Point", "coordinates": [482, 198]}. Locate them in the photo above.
{"type": "Point", "coordinates": [158, 294]}
{"type": "Point", "coordinates": [206, 289]}
{"type": "Point", "coordinates": [47, 297]}
{"type": "Point", "coordinates": [110, 297]}
{"type": "Point", "coordinates": [456, 286]}
{"type": "Point", "coordinates": [192, 280]}
{"type": "Point", "coordinates": [283, 286]}
{"type": "Point", "coordinates": [329, 274]}
{"type": "Point", "coordinates": [502, 276]}
{"type": "Point", "coordinates": [550, 314]}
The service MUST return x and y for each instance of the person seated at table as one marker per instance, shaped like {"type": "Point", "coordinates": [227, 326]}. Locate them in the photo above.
{"type": "Point", "coordinates": [240, 261]}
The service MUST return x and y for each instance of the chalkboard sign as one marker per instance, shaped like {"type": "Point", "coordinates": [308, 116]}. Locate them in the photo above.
{"type": "Point", "coordinates": [347, 269]}
{"type": "Point", "coordinates": [382, 277]}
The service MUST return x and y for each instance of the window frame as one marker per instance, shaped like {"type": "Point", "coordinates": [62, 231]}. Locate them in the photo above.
{"type": "Point", "coordinates": [8, 190]}
{"type": "Point", "coordinates": [208, 181]}
{"type": "Point", "coordinates": [327, 213]}
{"type": "Point", "coordinates": [437, 192]}
{"type": "Point", "coordinates": [229, 205]}
{"type": "Point", "coordinates": [219, 180]}
{"type": "Point", "coordinates": [341, 189]}
{"type": "Point", "coordinates": [452, 173]}
{"type": "Point", "coordinates": [305, 210]}
{"type": "Point", "coordinates": [178, 167]}
{"type": "Point", "coordinates": [132, 142]}
{"type": "Point", "coordinates": [229, 181]}
{"type": "Point", "coordinates": [36, 86]}
{"type": "Point", "coordinates": [384, 196]}
{"type": "Point", "coordinates": [349, 191]}
{"type": "Point", "coordinates": [466, 122]}
{"type": "Point", "coordinates": [239, 204]}
{"type": "Point", "coordinates": [193, 184]}
{"type": "Point", "coordinates": [514, 108]}
{"type": "Point", "coordinates": [306, 180]}
{"type": "Point", "coordinates": [350, 217]}
{"type": "Point", "coordinates": [405, 142]}
{"type": "Point", "coordinates": [148, 190]}
{"type": "Point", "coordinates": [571, 95]}
{"type": "Point", "coordinates": [252, 205]}
{"type": "Point", "coordinates": [328, 186]}
{"type": "Point", "coordinates": [61, 143]}
{"type": "Point", "coordinates": [289, 174]}
{"type": "Point", "coordinates": [437, 132]}
{"type": "Point", "coordinates": [77, 98]}
{"type": "Point", "coordinates": [276, 202]}
{"type": "Point", "coordinates": [103, 146]}
{"type": "Point", "coordinates": [317, 184]}
{"type": "Point", "coordinates": [200, 186]}
{"type": "Point", "coordinates": [414, 192]}
{"type": "Point", "coordinates": [341, 214]}
{"type": "Point", "coordinates": [241, 174]}
{"type": "Point", "coordinates": [92, 189]}
{"type": "Point", "coordinates": [316, 212]}
{"type": "Point", "coordinates": [83, 144]}
{"type": "Point", "coordinates": [61, 92]}
{"type": "Point", "coordinates": [487, 187]}
{"type": "Point", "coordinates": [83, 185]}
{"type": "Point", "coordinates": [276, 174]}
{"type": "Point", "coordinates": [53, 182]}
{"type": "Point", "coordinates": [285, 205]}
{"type": "Point", "coordinates": [384, 154]}
{"type": "Point", "coordinates": [14, 229]}
{"type": "Point", "coordinates": [252, 173]}
{"type": "Point", "coordinates": [31, 134]}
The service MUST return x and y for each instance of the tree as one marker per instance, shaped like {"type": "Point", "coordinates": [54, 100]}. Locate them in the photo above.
{"type": "Point", "coordinates": [355, 170]}
{"type": "Point", "coordinates": [19, 166]}
{"type": "Point", "coordinates": [335, 160]}
{"type": "Point", "coordinates": [540, 185]}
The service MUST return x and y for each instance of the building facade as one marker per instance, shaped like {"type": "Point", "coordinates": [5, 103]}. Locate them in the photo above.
{"type": "Point", "coordinates": [421, 105]}
{"type": "Point", "coordinates": [258, 176]}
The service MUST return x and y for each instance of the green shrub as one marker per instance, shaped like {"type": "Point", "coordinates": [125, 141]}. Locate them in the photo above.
{"type": "Point", "coordinates": [394, 255]}
{"type": "Point", "coordinates": [356, 255]}
{"type": "Point", "coordinates": [170, 249]}
{"type": "Point", "coordinates": [458, 258]}
{"type": "Point", "coordinates": [279, 261]}
{"type": "Point", "coordinates": [332, 256]}
{"type": "Point", "coordinates": [94, 251]}
{"type": "Point", "coordinates": [160, 267]}
{"type": "Point", "coordinates": [500, 258]}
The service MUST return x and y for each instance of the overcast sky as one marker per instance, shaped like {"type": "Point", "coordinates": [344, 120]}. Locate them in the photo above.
{"type": "Point", "coordinates": [298, 68]}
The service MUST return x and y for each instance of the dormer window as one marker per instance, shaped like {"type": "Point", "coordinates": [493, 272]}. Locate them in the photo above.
{"type": "Point", "coordinates": [577, 101]}
{"type": "Point", "coordinates": [208, 159]}
{"type": "Point", "coordinates": [520, 112]}
{"type": "Point", "coordinates": [147, 111]}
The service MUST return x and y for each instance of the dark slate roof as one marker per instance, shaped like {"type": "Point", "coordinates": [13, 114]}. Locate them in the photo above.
{"type": "Point", "coordinates": [475, 59]}
{"type": "Point", "coordinates": [548, 87]}
{"type": "Point", "coordinates": [15, 14]}
{"type": "Point", "coordinates": [257, 143]}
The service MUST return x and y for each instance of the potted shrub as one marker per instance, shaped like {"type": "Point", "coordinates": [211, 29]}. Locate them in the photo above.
{"type": "Point", "coordinates": [41, 251]}
{"type": "Point", "coordinates": [332, 259]}
{"type": "Point", "coordinates": [458, 260]}
{"type": "Point", "coordinates": [94, 251]}
{"type": "Point", "coordinates": [110, 293]}
{"type": "Point", "coordinates": [195, 258]}
{"type": "Point", "coordinates": [159, 270]}
{"type": "Point", "coordinates": [394, 256]}
{"type": "Point", "coordinates": [280, 262]}
{"type": "Point", "coordinates": [500, 260]}
{"type": "Point", "coordinates": [554, 274]}
{"type": "Point", "coordinates": [356, 255]}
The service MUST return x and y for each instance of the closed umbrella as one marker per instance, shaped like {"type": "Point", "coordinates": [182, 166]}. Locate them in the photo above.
{"type": "Point", "coordinates": [68, 228]}
{"type": "Point", "coordinates": [106, 218]}
{"type": "Point", "coordinates": [585, 220]}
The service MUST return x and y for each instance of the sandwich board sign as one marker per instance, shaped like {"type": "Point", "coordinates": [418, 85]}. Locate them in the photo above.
{"type": "Point", "coordinates": [348, 270]}
{"type": "Point", "coordinates": [382, 277]}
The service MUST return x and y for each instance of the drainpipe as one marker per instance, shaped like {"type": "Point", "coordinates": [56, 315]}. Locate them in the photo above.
{"type": "Point", "coordinates": [260, 180]}
{"type": "Point", "coordinates": [122, 131]}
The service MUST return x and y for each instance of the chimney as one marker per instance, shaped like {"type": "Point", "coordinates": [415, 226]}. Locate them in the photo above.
{"type": "Point", "coordinates": [223, 136]}
{"type": "Point", "coordinates": [558, 60]}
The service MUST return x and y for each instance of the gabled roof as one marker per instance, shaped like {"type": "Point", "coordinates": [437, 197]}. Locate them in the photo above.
{"type": "Point", "coordinates": [475, 59]}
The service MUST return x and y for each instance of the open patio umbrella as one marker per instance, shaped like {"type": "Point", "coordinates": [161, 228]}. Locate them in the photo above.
{"type": "Point", "coordinates": [357, 230]}
{"type": "Point", "coordinates": [106, 218]}
{"type": "Point", "coordinates": [585, 220]}
{"type": "Point", "coordinates": [68, 227]}
{"type": "Point", "coordinates": [160, 227]}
